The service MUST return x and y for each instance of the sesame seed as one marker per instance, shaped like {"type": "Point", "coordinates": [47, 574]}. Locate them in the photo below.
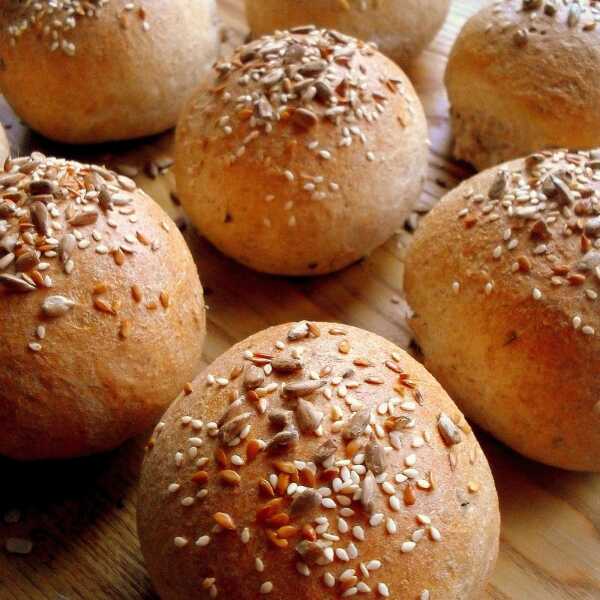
{"type": "Point", "coordinates": [266, 587]}
{"type": "Point", "coordinates": [180, 542]}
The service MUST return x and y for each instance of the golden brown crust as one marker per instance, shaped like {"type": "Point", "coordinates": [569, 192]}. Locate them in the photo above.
{"type": "Point", "coordinates": [120, 74]}
{"type": "Point", "coordinates": [87, 360]}
{"type": "Point", "coordinates": [400, 28]}
{"type": "Point", "coordinates": [441, 487]}
{"type": "Point", "coordinates": [520, 80]}
{"type": "Point", "coordinates": [293, 178]}
{"type": "Point", "coordinates": [506, 306]}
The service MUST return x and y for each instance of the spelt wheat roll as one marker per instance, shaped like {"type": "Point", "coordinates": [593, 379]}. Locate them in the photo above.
{"type": "Point", "coordinates": [504, 277]}
{"type": "Point", "coordinates": [102, 70]}
{"type": "Point", "coordinates": [400, 28]}
{"type": "Point", "coordinates": [301, 153]}
{"type": "Point", "coordinates": [316, 460]}
{"type": "Point", "coordinates": [524, 75]}
{"type": "Point", "coordinates": [101, 309]}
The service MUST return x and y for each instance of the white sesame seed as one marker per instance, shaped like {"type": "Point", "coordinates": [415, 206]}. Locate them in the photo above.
{"type": "Point", "coordinates": [383, 590]}
{"type": "Point", "coordinates": [407, 547]}
{"type": "Point", "coordinates": [536, 293]}
{"type": "Point", "coordinates": [266, 587]}
{"type": "Point", "coordinates": [203, 541]}
{"type": "Point", "coordinates": [180, 542]}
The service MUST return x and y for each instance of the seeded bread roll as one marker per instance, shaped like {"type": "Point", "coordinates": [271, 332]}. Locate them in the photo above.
{"type": "Point", "coordinates": [101, 310]}
{"type": "Point", "coordinates": [100, 70]}
{"type": "Point", "coordinates": [301, 153]}
{"type": "Point", "coordinates": [504, 278]}
{"type": "Point", "coordinates": [400, 28]}
{"type": "Point", "coordinates": [316, 461]}
{"type": "Point", "coordinates": [524, 75]}
{"type": "Point", "coordinates": [4, 144]}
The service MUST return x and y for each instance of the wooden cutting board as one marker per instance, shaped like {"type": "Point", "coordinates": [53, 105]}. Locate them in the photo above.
{"type": "Point", "coordinates": [80, 515]}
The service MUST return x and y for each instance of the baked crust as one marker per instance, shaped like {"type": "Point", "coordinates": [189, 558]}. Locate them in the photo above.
{"type": "Point", "coordinates": [295, 164]}
{"type": "Point", "coordinates": [116, 72]}
{"type": "Point", "coordinates": [506, 304]}
{"type": "Point", "coordinates": [101, 309]}
{"type": "Point", "coordinates": [400, 28]}
{"type": "Point", "coordinates": [370, 537]}
{"type": "Point", "coordinates": [520, 80]}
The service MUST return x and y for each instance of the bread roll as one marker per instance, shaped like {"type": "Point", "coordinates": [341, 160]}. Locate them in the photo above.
{"type": "Point", "coordinates": [301, 153]}
{"type": "Point", "coordinates": [504, 277]}
{"type": "Point", "coordinates": [4, 145]}
{"type": "Point", "coordinates": [101, 310]}
{"type": "Point", "coordinates": [525, 75]}
{"type": "Point", "coordinates": [314, 461]}
{"type": "Point", "coordinates": [400, 28]}
{"type": "Point", "coordinates": [93, 71]}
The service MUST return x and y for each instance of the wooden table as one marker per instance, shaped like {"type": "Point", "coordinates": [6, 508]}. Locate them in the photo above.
{"type": "Point", "coordinates": [80, 514]}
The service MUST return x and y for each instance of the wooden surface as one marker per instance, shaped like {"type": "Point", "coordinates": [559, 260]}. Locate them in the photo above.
{"type": "Point", "coordinates": [80, 515]}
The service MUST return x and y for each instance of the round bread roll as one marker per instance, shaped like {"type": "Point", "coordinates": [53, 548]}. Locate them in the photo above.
{"type": "Point", "coordinates": [101, 310]}
{"type": "Point", "coordinates": [301, 153]}
{"type": "Point", "coordinates": [524, 75]}
{"type": "Point", "coordinates": [4, 145]}
{"type": "Point", "coordinates": [314, 461]}
{"type": "Point", "coordinates": [504, 278]}
{"type": "Point", "coordinates": [400, 28]}
{"type": "Point", "coordinates": [99, 70]}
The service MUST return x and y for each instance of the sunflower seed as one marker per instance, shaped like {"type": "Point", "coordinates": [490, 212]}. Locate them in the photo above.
{"type": "Point", "coordinates": [272, 78]}
{"type": "Point", "coordinates": [499, 185]}
{"type": "Point", "coordinates": [264, 110]}
{"type": "Point", "coordinates": [562, 193]}
{"type": "Point", "coordinates": [375, 457]}
{"type": "Point", "coordinates": [230, 430]}
{"type": "Point", "coordinates": [324, 91]}
{"type": "Point", "coordinates": [42, 186]}
{"type": "Point", "coordinates": [592, 227]}
{"type": "Point", "coordinates": [57, 306]}
{"type": "Point", "coordinates": [232, 411]}
{"type": "Point", "coordinates": [312, 552]}
{"type": "Point", "coordinates": [312, 68]}
{"type": "Point", "coordinates": [368, 492]}
{"type": "Point", "coordinates": [357, 425]}
{"type": "Point", "coordinates": [448, 430]}
{"type": "Point", "coordinates": [286, 364]}
{"type": "Point", "coordinates": [6, 260]}
{"type": "Point", "coordinates": [27, 261]}
{"type": "Point", "coordinates": [298, 331]}
{"type": "Point", "coordinates": [105, 199]}
{"type": "Point", "coordinates": [283, 439]}
{"type": "Point", "coordinates": [589, 261]}
{"type": "Point", "coordinates": [16, 284]}
{"type": "Point", "coordinates": [280, 418]}
{"type": "Point", "coordinates": [303, 503]}
{"type": "Point", "coordinates": [304, 118]}
{"type": "Point", "coordinates": [308, 417]}
{"type": "Point", "coordinates": [253, 377]}
{"type": "Point", "coordinates": [66, 246]}
{"type": "Point", "coordinates": [299, 389]}
{"type": "Point", "coordinates": [325, 451]}
{"type": "Point", "coordinates": [40, 218]}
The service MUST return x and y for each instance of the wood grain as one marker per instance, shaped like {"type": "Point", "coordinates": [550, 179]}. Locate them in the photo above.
{"type": "Point", "coordinates": [81, 514]}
